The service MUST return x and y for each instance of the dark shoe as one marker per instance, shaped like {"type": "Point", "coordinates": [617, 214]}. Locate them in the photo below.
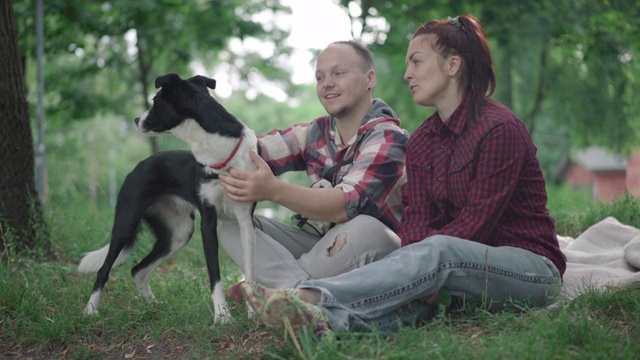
{"type": "Point", "coordinates": [234, 293]}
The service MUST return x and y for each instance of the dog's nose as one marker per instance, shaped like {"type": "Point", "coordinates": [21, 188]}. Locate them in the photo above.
{"type": "Point", "coordinates": [136, 120]}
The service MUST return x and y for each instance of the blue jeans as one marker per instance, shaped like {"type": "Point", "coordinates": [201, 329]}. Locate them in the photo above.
{"type": "Point", "coordinates": [384, 294]}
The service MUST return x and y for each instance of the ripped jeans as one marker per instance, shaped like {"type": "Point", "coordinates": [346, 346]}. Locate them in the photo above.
{"type": "Point", "coordinates": [286, 255]}
{"type": "Point", "coordinates": [387, 294]}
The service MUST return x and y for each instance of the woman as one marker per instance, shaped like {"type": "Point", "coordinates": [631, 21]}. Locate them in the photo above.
{"type": "Point", "coordinates": [475, 221]}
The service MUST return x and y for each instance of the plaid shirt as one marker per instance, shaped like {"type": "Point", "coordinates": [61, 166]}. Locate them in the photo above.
{"type": "Point", "coordinates": [371, 184]}
{"type": "Point", "coordinates": [479, 181]}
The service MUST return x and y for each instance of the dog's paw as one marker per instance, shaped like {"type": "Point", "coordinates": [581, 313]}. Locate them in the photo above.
{"type": "Point", "coordinates": [250, 312]}
{"type": "Point", "coordinates": [153, 300]}
{"type": "Point", "coordinates": [90, 310]}
{"type": "Point", "coordinates": [92, 306]}
{"type": "Point", "coordinates": [222, 318]}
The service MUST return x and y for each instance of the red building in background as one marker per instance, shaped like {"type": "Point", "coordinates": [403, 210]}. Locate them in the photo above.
{"type": "Point", "coordinates": [608, 175]}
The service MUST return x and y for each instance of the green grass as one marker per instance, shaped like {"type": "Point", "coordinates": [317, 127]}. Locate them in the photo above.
{"type": "Point", "coordinates": [574, 211]}
{"type": "Point", "coordinates": [41, 304]}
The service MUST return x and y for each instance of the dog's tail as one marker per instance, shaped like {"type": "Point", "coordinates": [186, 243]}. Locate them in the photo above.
{"type": "Point", "coordinates": [92, 261]}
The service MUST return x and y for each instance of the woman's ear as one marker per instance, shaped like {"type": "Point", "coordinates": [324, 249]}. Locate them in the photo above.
{"type": "Point", "coordinates": [454, 62]}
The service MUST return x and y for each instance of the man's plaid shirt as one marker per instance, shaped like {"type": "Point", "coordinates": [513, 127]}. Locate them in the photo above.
{"type": "Point", "coordinates": [371, 184]}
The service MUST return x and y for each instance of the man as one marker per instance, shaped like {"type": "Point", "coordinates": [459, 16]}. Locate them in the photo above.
{"type": "Point", "coordinates": [359, 148]}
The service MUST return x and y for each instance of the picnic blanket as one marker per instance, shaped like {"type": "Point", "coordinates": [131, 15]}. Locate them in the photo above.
{"type": "Point", "coordinates": [607, 254]}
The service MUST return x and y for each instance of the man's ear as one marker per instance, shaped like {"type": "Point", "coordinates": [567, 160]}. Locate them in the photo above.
{"type": "Point", "coordinates": [371, 77]}
{"type": "Point", "coordinates": [453, 65]}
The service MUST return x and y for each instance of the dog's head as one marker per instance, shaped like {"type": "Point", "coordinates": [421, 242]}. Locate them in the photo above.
{"type": "Point", "coordinates": [177, 100]}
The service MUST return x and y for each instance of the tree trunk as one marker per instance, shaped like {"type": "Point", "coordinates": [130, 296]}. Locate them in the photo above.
{"type": "Point", "coordinates": [21, 220]}
{"type": "Point", "coordinates": [144, 67]}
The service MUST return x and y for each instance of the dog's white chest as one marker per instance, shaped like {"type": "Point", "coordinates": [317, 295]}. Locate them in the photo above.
{"type": "Point", "coordinates": [213, 194]}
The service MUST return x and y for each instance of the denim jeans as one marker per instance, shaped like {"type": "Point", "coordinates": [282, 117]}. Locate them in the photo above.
{"type": "Point", "coordinates": [286, 255]}
{"type": "Point", "coordinates": [385, 293]}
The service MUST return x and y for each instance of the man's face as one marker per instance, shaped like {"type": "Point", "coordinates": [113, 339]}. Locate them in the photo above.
{"type": "Point", "coordinates": [341, 81]}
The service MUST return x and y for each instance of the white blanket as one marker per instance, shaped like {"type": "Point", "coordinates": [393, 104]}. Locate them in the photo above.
{"type": "Point", "coordinates": [607, 254]}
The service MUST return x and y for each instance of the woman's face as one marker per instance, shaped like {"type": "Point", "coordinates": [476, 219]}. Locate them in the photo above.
{"type": "Point", "coordinates": [428, 81]}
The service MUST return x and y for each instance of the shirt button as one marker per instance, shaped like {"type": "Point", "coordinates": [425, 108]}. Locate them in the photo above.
{"type": "Point", "coordinates": [443, 146]}
{"type": "Point", "coordinates": [429, 167]}
{"type": "Point", "coordinates": [439, 179]}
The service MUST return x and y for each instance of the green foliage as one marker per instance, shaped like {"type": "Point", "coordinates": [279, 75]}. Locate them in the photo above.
{"type": "Point", "coordinates": [263, 114]}
{"type": "Point", "coordinates": [626, 210]}
{"type": "Point", "coordinates": [103, 54]}
{"type": "Point", "coordinates": [562, 66]}
{"type": "Point", "coordinates": [34, 243]}
{"type": "Point", "coordinates": [566, 68]}
{"type": "Point", "coordinates": [574, 211]}
{"type": "Point", "coordinates": [596, 55]}
{"type": "Point", "coordinates": [88, 160]}
{"type": "Point", "coordinates": [567, 206]}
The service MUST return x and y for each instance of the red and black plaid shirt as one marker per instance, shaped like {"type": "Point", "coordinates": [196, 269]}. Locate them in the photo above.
{"type": "Point", "coordinates": [479, 181]}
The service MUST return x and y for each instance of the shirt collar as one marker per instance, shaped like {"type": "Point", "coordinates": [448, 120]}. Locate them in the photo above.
{"type": "Point", "coordinates": [456, 121]}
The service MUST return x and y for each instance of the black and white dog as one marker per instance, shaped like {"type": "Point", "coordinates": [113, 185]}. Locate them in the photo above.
{"type": "Point", "coordinates": [165, 189]}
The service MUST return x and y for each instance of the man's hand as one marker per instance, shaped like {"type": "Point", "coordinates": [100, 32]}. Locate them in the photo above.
{"type": "Point", "coordinates": [262, 185]}
{"type": "Point", "coordinates": [250, 186]}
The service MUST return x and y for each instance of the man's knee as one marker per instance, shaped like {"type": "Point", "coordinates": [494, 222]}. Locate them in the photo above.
{"type": "Point", "coordinates": [373, 231]}
{"type": "Point", "coordinates": [362, 234]}
{"type": "Point", "coordinates": [338, 243]}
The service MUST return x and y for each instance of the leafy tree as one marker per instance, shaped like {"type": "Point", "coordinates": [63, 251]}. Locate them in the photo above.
{"type": "Point", "coordinates": [596, 74]}
{"type": "Point", "coordinates": [105, 55]}
{"type": "Point", "coordinates": [566, 67]}
{"type": "Point", "coordinates": [102, 58]}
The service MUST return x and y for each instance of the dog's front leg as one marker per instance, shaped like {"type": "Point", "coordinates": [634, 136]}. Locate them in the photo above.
{"type": "Point", "coordinates": [248, 240]}
{"type": "Point", "coordinates": [208, 227]}
{"type": "Point", "coordinates": [244, 216]}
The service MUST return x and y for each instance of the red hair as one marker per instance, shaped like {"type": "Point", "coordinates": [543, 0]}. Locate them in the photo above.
{"type": "Point", "coordinates": [464, 36]}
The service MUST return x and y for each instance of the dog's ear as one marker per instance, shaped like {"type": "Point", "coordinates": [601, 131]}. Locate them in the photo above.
{"type": "Point", "coordinates": [205, 81]}
{"type": "Point", "coordinates": [211, 83]}
{"type": "Point", "coordinates": [170, 79]}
